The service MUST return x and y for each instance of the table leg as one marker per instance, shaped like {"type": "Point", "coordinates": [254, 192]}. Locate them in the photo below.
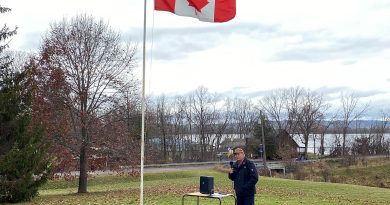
{"type": "Point", "coordinates": [197, 201]}
{"type": "Point", "coordinates": [235, 199]}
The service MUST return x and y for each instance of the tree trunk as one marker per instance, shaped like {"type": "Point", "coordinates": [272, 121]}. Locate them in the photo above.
{"type": "Point", "coordinates": [344, 137]}
{"type": "Point", "coordinates": [83, 163]}
{"type": "Point", "coordinates": [83, 169]}
{"type": "Point", "coordinates": [165, 148]}
{"type": "Point", "coordinates": [322, 148]}
{"type": "Point", "coordinates": [306, 144]}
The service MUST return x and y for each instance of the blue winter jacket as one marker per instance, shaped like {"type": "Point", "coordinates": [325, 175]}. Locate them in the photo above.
{"type": "Point", "coordinates": [245, 178]}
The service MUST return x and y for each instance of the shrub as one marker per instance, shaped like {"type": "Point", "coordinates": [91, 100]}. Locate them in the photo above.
{"type": "Point", "coordinates": [300, 173]}
{"type": "Point", "coordinates": [326, 171]}
{"type": "Point", "coordinates": [23, 169]}
{"type": "Point", "coordinates": [349, 160]}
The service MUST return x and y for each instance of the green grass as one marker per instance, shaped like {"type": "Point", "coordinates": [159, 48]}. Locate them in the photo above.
{"type": "Point", "coordinates": [168, 188]}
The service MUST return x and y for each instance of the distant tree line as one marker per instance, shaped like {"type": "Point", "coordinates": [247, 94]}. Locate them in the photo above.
{"type": "Point", "coordinates": [196, 126]}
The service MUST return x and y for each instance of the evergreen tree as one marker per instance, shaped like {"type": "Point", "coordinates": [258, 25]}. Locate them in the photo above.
{"type": "Point", "coordinates": [24, 164]}
{"type": "Point", "coordinates": [269, 138]}
{"type": "Point", "coordinates": [5, 33]}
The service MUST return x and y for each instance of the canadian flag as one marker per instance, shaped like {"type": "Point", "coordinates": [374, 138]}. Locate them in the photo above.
{"type": "Point", "coordinates": [204, 10]}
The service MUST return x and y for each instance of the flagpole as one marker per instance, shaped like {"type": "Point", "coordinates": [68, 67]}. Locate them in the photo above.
{"type": "Point", "coordinates": [141, 194]}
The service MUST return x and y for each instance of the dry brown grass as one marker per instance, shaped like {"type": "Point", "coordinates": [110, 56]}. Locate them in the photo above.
{"type": "Point", "coordinates": [368, 172]}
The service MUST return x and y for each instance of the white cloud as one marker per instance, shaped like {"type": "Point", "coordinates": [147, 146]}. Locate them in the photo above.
{"type": "Point", "coordinates": [337, 45]}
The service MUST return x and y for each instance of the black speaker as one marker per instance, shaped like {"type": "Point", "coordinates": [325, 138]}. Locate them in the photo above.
{"type": "Point", "coordinates": [206, 185]}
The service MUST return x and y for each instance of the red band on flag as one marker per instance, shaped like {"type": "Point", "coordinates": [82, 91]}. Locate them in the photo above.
{"type": "Point", "coordinates": [165, 5]}
{"type": "Point", "coordinates": [225, 10]}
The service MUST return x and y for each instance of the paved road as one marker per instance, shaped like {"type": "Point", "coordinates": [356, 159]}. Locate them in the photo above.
{"type": "Point", "coordinates": [146, 170]}
{"type": "Point", "coordinates": [165, 169]}
{"type": "Point", "coordinates": [155, 168]}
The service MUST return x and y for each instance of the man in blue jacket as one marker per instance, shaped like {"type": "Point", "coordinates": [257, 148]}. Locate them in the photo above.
{"type": "Point", "coordinates": [245, 177]}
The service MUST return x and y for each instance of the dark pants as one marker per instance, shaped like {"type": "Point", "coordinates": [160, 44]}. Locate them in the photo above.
{"type": "Point", "coordinates": [246, 200]}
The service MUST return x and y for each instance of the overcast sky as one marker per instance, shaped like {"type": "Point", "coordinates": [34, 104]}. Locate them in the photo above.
{"type": "Point", "coordinates": [328, 46]}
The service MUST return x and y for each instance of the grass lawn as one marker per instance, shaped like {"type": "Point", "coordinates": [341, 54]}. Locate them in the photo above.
{"type": "Point", "coordinates": [168, 188]}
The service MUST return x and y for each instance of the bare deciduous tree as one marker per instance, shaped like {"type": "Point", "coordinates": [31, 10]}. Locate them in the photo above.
{"type": "Point", "coordinates": [179, 144]}
{"type": "Point", "coordinates": [274, 105]}
{"type": "Point", "coordinates": [94, 62]}
{"type": "Point", "coordinates": [224, 120]}
{"type": "Point", "coordinates": [120, 128]}
{"type": "Point", "coordinates": [281, 106]}
{"type": "Point", "coordinates": [203, 107]}
{"type": "Point", "coordinates": [294, 99]}
{"type": "Point", "coordinates": [322, 130]}
{"type": "Point", "coordinates": [244, 116]}
{"type": "Point", "coordinates": [310, 113]}
{"type": "Point", "coordinates": [295, 110]}
{"type": "Point", "coordinates": [164, 116]}
{"type": "Point", "coordinates": [350, 112]}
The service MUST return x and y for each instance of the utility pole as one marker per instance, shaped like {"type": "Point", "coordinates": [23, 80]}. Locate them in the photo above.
{"type": "Point", "coordinates": [263, 141]}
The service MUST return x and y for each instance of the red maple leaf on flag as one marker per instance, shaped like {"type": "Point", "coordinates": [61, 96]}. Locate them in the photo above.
{"type": "Point", "coordinates": [198, 4]}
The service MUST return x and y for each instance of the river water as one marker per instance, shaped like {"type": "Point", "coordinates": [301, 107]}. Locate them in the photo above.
{"type": "Point", "coordinates": [330, 141]}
